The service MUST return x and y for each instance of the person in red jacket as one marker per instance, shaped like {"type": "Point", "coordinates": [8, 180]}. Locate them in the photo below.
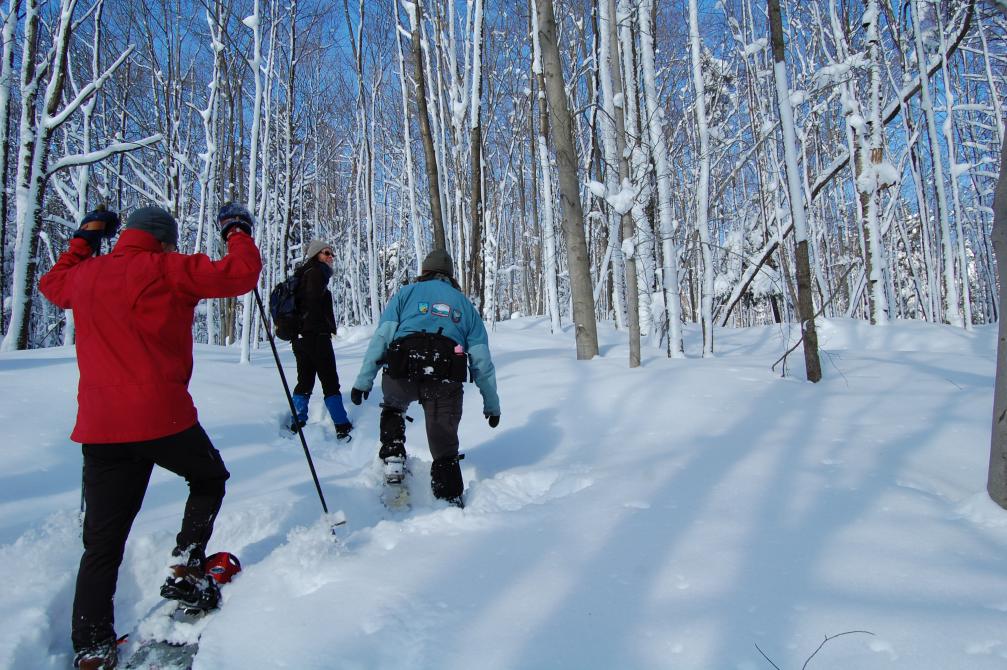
{"type": "Point", "coordinates": [133, 309]}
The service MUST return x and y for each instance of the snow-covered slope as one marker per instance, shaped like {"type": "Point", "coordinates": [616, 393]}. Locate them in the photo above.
{"type": "Point", "coordinates": [672, 516]}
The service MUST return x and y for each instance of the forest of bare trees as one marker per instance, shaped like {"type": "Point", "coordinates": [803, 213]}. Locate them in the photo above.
{"type": "Point", "coordinates": [648, 162]}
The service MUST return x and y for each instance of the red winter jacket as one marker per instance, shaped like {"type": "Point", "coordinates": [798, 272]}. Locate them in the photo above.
{"type": "Point", "coordinates": [133, 311]}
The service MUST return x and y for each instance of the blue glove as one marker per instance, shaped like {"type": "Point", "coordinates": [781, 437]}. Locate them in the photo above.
{"type": "Point", "coordinates": [234, 215]}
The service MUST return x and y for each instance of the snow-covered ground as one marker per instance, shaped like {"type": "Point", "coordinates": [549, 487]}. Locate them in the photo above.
{"type": "Point", "coordinates": [686, 514]}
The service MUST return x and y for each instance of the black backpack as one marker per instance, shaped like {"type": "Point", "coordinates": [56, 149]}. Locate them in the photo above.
{"type": "Point", "coordinates": [283, 308]}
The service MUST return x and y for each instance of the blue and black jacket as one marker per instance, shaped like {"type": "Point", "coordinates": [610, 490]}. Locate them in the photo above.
{"type": "Point", "coordinates": [434, 306]}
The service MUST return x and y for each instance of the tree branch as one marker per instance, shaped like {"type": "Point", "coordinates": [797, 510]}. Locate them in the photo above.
{"type": "Point", "coordinates": [102, 154]}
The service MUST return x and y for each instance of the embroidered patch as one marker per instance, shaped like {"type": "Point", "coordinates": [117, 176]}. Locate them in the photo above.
{"type": "Point", "coordinates": [441, 309]}
{"type": "Point", "coordinates": [424, 307]}
{"type": "Point", "coordinates": [456, 316]}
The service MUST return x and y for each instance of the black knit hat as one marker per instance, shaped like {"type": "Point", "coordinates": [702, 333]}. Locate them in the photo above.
{"type": "Point", "coordinates": [438, 260]}
{"type": "Point", "coordinates": [156, 221]}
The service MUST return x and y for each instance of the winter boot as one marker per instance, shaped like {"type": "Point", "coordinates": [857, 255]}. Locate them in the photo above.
{"type": "Point", "coordinates": [446, 479]}
{"type": "Point", "coordinates": [101, 656]}
{"type": "Point", "coordinates": [301, 407]}
{"type": "Point", "coordinates": [191, 587]}
{"type": "Point", "coordinates": [334, 403]}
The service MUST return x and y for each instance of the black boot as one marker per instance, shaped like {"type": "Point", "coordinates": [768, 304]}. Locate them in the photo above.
{"type": "Point", "coordinates": [100, 656]}
{"type": "Point", "coordinates": [393, 432]}
{"type": "Point", "coordinates": [390, 450]}
{"type": "Point", "coordinates": [446, 480]}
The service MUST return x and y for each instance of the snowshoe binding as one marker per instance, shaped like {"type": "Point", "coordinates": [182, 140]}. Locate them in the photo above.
{"type": "Point", "coordinates": [192, 588]}
{"type": "Point", "coordinates": [395, 495]}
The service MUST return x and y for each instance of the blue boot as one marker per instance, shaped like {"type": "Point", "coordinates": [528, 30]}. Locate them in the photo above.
{"type": "Point", "coordinates": [334, 403]}
{"type": "Point", "coordinates": [301, 407]}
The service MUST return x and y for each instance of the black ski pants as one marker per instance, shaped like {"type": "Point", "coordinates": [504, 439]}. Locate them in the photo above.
{"type": "Point", "coordinates": [442, 412]}
{"type": "Point", "coordinates": [115, 481]}
{"type": "Point", "coordinates": [314, 356]}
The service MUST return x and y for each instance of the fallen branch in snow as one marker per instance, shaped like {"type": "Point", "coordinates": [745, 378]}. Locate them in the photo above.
{"type": "Point", "coordinates": [827, 638]}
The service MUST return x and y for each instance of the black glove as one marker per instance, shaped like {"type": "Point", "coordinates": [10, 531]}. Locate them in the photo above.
{"type": "Point", "coordinates": [109, 227]}
{"type": "Point", "coordinates": [357, 396]}
{"type": "Point", "coordinates": [234, 215]}
{"type": "Point", "coordinates": [110, 219]}
{"type": "Point", "coordinates": [92, 237]}
{"type": "Point", "coordinates": [494, 419]}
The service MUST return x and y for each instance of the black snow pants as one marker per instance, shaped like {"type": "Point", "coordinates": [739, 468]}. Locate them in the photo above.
{"type": "Point", "coordinates": [314, 356]}
{"type": "Point", "coordinates": [442, 412]}
{"type": "Point", "coordinates": [115, 481]}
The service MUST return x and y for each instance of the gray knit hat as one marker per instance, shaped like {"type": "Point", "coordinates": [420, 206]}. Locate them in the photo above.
{"type": "Point", "coordinates": [438, 260]}
{"type": "Point", "coordinates": [315, 247]}
{"type": "Point", "coordinates": [156, 221]}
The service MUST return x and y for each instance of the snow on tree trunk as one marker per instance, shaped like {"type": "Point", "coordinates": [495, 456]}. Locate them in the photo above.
{"type": "Point", "coordinates": [37, 128]}
{"type": "Point", "coordinates": [414, 221]}
{"type": "Point", "coordinates": [6, 83]}
{"type": "Point", "coordinates": [996, 483]}
{"type": "Point", "coordinates": [208, 172]}
{"type": "Point", "coordinates": [952, 312]}
{"type": "Point", "coordinates": [703, 185]}
{"type": "Point", "coordinates": [252, 22]}
{"type": "Point", "coordinates": [548, 223]}
{"type": "Point", "coordinates": [872, 175]}
{"type": "Point", "coordinates": [955, 172]}
{"type": "Point", "coordinates": [627, 232]}
{"type": "Point", "coordinates": [639, 174]}
{"type": "Point", "coordinates": [608, 63]}
{"type": "Point", "coordinates": [665, 194]}
{"type": "Point", "coordinates": [475, 269]}
{"type": "Point", "coordinates": [805, 303]}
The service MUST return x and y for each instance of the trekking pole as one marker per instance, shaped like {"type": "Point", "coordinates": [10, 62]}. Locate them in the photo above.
{"type": "Point", "coordinates": [290, 401]}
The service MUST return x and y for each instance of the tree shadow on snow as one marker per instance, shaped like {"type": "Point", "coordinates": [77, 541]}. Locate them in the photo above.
{"type": "Point", "coordinates": [521, 446]}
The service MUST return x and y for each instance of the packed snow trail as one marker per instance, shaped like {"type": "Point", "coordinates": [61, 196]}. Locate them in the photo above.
{"type": "Point", "coordinates": [673, 515]}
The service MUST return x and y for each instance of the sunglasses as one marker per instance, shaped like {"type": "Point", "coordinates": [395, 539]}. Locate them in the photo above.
{"type": "Point", "coordinates": [326, 253]}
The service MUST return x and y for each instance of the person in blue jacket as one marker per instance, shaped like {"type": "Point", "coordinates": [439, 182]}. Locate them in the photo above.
{"type": "Point", "coordinates": [429, 339]}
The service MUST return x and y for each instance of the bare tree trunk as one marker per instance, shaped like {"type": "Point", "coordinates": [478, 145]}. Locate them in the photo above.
{"type": "Point", "coordinates": [586, 328]}
{"type": "Point", "coordinates": [436, 218]}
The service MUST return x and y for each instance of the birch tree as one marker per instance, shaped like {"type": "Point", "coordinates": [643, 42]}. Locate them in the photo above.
{"type": "Point", "coordinates": [665, 205]}
{"type": "Point", "coordinates": [7, 79]}
{"type": "Point", "coordinates": [38, 124]}
{"type": "Point", "coordinates": [540, 142]}
{"type": "Point", "coordinates": [703, 185]}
